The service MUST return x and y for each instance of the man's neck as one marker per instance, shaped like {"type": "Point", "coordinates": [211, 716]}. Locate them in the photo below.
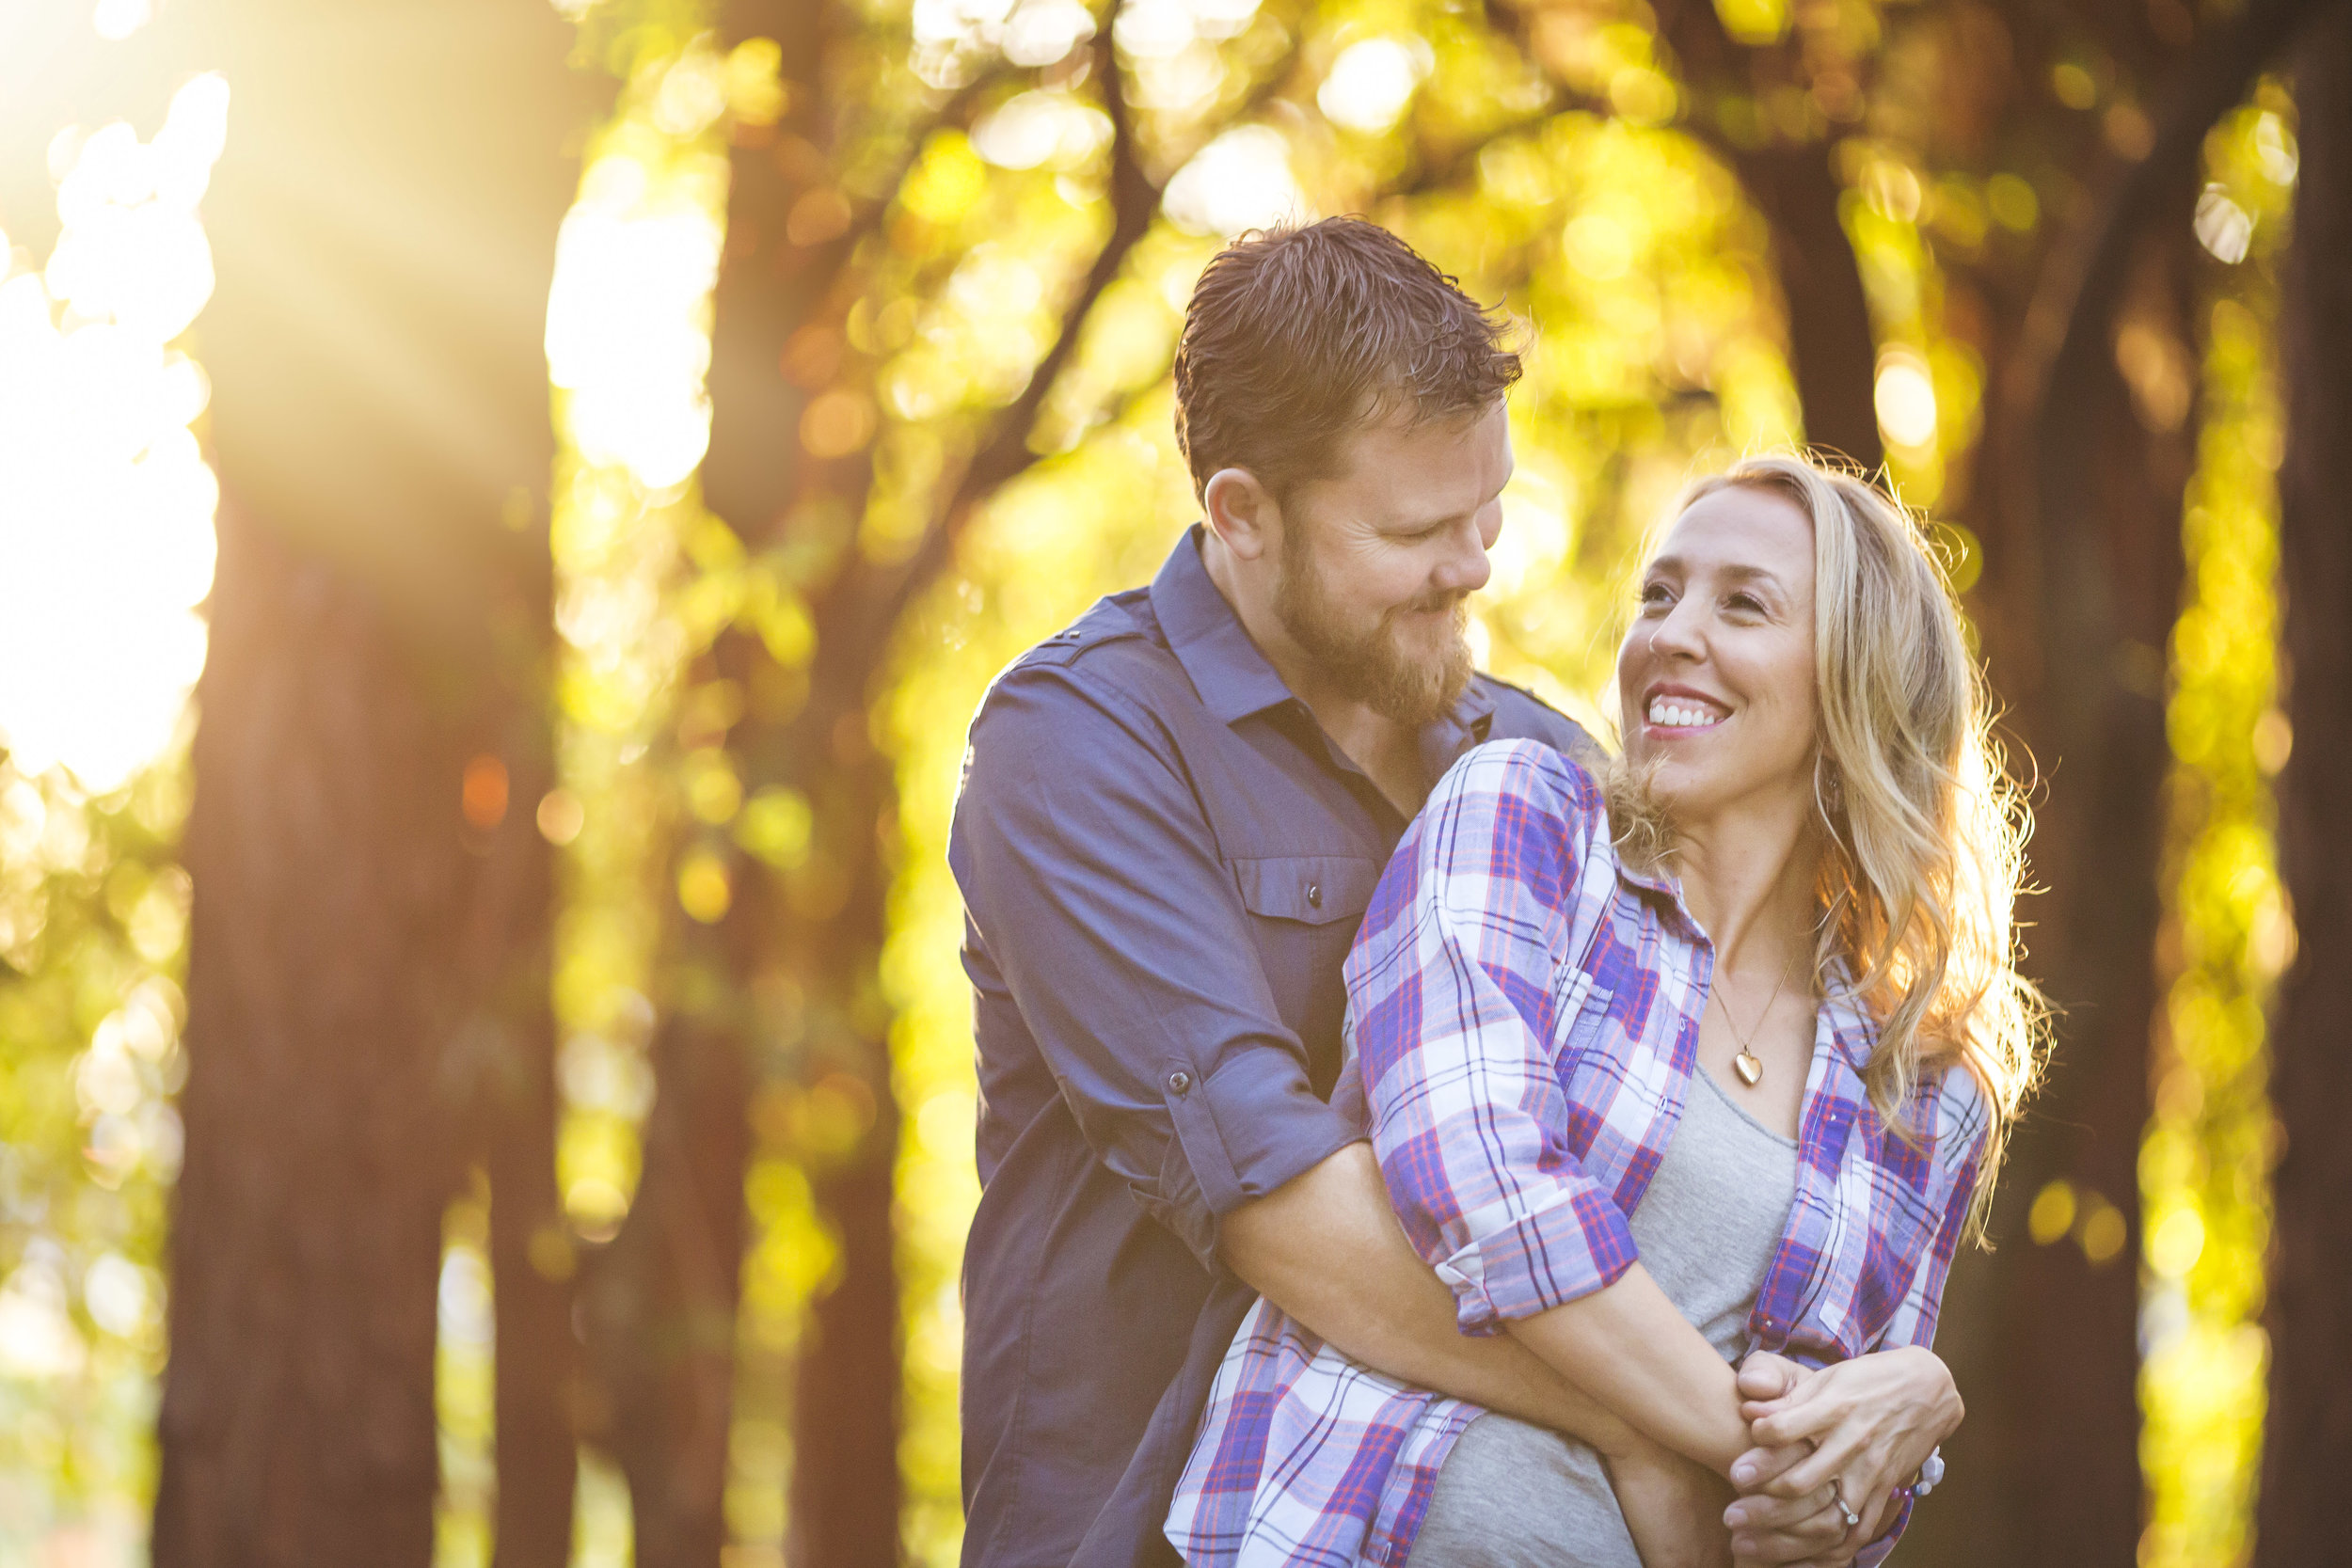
{"type": "Point", "coordinates": [1387, 751]}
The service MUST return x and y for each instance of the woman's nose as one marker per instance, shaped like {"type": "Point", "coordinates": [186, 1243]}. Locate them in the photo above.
{"type": "Point", "coordinates": [1676, 634]}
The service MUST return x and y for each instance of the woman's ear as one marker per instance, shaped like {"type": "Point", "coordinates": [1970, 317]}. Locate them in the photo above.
{"type": "Point", "coordinates": [1241, 513]}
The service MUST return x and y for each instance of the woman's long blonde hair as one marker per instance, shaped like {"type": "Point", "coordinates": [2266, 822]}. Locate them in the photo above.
{"type": "Point", "coordinates": [1923, 831]}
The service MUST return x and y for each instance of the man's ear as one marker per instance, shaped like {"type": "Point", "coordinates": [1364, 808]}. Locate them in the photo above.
{"type": "Point", "coordinates": [1241, 513]}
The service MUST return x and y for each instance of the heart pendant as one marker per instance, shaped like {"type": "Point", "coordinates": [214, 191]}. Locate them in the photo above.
{"type": "Point", "coordinates": [1751, 1071]}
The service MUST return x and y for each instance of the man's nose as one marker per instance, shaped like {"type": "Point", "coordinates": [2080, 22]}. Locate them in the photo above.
{"type": "Point", "coordinates": [1465, 568]}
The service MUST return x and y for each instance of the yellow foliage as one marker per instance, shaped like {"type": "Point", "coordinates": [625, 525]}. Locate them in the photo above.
{"type": "Point", "coordinates": [2205, 1163]}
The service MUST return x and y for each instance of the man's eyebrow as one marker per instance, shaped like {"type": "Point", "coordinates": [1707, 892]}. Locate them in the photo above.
{"type": "Point", "coordinates": [1417, 521]}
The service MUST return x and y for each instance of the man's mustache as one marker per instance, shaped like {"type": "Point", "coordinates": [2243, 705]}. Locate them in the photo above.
{"type": "Point", "coordinates": [1450, 599]}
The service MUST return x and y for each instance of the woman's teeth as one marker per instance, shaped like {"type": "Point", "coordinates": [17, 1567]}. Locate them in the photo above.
{"type": "Point", "coordinates": [1663, 712]}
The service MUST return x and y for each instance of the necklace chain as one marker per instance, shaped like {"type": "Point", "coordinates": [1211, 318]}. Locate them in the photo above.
{"type": "Point", "coordinates": [1749, 1065]}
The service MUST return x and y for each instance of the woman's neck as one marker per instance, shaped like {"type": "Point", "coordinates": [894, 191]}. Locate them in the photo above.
{"type": "Point", "coordinates": [1750, 878]}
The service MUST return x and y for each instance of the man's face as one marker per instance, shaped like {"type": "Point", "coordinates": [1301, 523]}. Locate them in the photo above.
{"type": "Point", "coordinates": [1378, 560]}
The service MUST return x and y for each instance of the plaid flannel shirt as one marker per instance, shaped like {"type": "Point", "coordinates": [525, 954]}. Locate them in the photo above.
{"type": "Point", "coordinates": [1523, 1011]}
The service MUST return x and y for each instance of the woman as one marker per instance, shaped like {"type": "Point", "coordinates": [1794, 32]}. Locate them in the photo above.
{"type": "Point", "coordinates": [1712, 1058]}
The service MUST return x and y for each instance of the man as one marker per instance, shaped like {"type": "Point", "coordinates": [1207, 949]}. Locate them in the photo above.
{"type": "Point", "coordinates": [1172, 819]}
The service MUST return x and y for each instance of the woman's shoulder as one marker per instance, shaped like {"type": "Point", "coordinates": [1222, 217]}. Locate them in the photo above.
{"type": "Point", "coordinates": [1509, 815]}
{"type": "Point", "coordinates": [1527, 772]}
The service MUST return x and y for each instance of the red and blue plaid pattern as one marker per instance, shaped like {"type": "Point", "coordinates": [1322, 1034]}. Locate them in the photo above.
{"type": "Point", "coordinates": [1525, 1016]}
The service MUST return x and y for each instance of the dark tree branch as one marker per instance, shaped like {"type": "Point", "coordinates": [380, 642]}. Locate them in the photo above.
{"type": "Point", "coordinates": [955, 110]}
{"type": "Point", "coordinates": [1006, 452]}
{"type": "Point", "coordinates": [1832, 348]}
{"type": "Point", "coordinates": [2067, 325]}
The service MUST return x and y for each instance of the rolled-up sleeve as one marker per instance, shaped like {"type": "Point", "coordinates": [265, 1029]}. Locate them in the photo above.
{"type": "Point", "coordinates": [1455, 1000]}
{"type": "Point", "coordinates": [1091, 874]}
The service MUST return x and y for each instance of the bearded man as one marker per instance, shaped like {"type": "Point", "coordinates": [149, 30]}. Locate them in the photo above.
{"type": "Point", "coordinates": [1172, 818]}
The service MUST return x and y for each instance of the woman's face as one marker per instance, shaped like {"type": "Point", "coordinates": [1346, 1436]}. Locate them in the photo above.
{"type": "Point", "coordinates": [1716, 672]}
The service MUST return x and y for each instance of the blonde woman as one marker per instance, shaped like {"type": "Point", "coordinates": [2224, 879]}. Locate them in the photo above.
{"type": "Point", "coordinates": [1705, 1063]}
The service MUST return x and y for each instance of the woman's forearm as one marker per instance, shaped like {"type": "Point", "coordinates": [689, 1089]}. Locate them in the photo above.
{"type": "Point", "coordinates": [1630, 1349]}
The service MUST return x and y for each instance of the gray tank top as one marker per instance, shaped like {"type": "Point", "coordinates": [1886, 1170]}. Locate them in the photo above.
{"type": "Point", "coordinates": [1514, 1496]}
{"type": "Point", "coordinates": [1714, 1212]}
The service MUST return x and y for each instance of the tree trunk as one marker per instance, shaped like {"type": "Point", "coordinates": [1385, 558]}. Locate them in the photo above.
{"type": "Point", "coordinates": [2064, 1388]}
{"type": "Point", "coordinates": [786, 982]}
{"type": "Point", "coordinates": [1831, 350]}
{"type": "Point", "coordinates": [368, 1005]}
{"type": "Point", "coordinates": [513, 1107]}
{"type": "Point", "coordinates": [2305, 1511]}
{"type": "Point", "coordinates": [1833, 353]}
{"type": "Point", "coordinates": [2081, 520]}
{"type": "Point", "coordinates": [297, 1423]}
{"type": "Point", "coordinates": [660, 1302]}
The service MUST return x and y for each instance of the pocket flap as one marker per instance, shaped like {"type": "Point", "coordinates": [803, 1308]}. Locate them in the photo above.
{"type": "Point", "coordinates": [1311, 889]}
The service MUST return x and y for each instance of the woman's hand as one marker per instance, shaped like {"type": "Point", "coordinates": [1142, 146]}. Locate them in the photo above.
{"type": "Point", "coordinates": [1670, 1506]}
{"type": "Point", "coordinates": [1807, 1531]}
{"type": "Point", "coordinates": [1871, 1422]}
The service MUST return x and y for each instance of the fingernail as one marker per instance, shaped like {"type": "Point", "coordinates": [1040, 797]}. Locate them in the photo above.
{"type": "Point", "coordinates": [1743, 1473]}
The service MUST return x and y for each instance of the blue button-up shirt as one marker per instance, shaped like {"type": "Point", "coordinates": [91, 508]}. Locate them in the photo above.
{"type": "Point", "coordinates": [1164, 859]}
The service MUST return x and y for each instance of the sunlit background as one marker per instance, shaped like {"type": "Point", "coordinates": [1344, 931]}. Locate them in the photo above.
{"type": "Point", "coordinates": [1659, 347]}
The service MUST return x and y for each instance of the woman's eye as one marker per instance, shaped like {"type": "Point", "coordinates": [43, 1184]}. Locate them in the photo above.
{"type": "Point", "coordinates": [1653, 593]}
{"type": "Point", "coordinates": [1747, 604]}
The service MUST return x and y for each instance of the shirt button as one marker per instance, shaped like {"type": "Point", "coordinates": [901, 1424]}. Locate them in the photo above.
{"type": "Point", "coordinates": [1178, 1081]}
{"type": "Point", "coordinates": [1314, 896]}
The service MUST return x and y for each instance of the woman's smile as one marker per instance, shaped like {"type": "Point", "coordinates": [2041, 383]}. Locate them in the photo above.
{"type": "Point", "coordinates": [1676, 711]}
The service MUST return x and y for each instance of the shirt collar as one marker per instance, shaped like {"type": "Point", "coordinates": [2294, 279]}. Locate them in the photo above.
{"type": "Point", "coordinates": [1848, 1020]}
{"type": "Point", "coordinates": [1235, 679]}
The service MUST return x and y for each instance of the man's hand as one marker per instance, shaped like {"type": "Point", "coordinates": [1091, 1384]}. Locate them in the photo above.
{"type": "Point", "coordinates": [1670, 1505]}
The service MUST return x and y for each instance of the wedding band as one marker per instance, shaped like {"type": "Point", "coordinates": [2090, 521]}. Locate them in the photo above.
{"type": "Point", "coordinates": [1838, 1496]}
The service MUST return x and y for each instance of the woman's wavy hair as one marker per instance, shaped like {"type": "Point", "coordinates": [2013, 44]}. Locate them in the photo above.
{"type": "Point", "coordinates": [1924, 831]}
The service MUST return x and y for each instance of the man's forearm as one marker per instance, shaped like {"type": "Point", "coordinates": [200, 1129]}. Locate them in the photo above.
{"type": "Point", "coordinates": [1326, 1249]}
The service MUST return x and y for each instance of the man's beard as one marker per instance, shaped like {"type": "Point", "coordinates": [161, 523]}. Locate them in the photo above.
{"type": "Point", "coordinates": [1373, 666]}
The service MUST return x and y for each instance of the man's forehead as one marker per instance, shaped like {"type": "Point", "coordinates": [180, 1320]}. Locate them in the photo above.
{"type": "Point", "coordinates": [1419, 461]}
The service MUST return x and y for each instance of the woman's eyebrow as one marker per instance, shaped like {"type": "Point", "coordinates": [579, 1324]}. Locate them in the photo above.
{"type": "Point", "coordinates": [1750, 573]}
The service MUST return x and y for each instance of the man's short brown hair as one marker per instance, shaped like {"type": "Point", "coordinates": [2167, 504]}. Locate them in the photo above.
{"type": "Point", "coordinates": [1297, 336]}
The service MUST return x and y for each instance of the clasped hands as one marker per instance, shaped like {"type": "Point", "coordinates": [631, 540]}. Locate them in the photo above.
{"type": "Point", "coordinates": [1855, 1431]}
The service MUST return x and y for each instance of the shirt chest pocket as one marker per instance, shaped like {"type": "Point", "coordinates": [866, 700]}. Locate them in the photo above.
{"type": "Point", "coordinates": [1304, 911]}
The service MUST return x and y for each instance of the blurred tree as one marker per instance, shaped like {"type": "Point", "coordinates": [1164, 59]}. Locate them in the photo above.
{"type": "Point", "coordinates": [2306, 1513]}
{"type": "Point", "coordinates": [368, 991]}
{"type": "Point", "coordinates": [1983, 148]}
{"type": "Point", "coordinates": [782, 921]}
{"type": "Point", "coordinates": [1789, 172]}
{"type": "Point", "coordinates": [2077, 495]}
